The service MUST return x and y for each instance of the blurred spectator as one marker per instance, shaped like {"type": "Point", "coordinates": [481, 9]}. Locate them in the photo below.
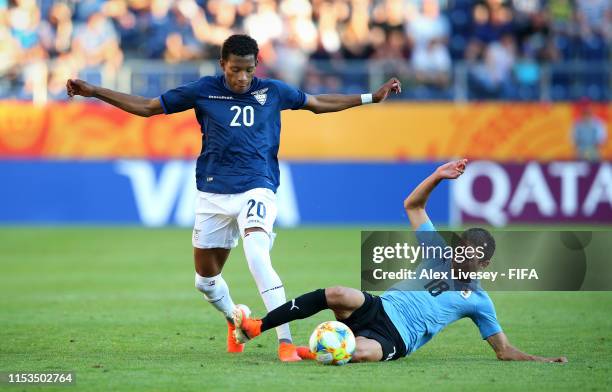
{"type": "Point", "coordinates": [157, 24]}
{"type": "Point", "coordinates": [527, 6]}
{"type": "Point", "coordinates": [389, 14]}
{"type": "Point", "coordinates": [300, 28]}
{"type": "Point", "coordinates": [329, 37]}
{"type": "Point", "coordinates": [182, 44]}
{"type": "Point", "coordinates": [24, 20]}
{"type": "Point", "coordinates": [265, 25]}
{"type": "Point", "coordinates": [9, 61]}
{"type": "Point", "coordinates": [492, 75]}
{"type": "Point", "coordinates": [491, 21]}
{"type": "Point", "coordinates": [594, 17]}
{"type": "Point", "coordinates": [291, 61]}
{"type": "Point", "coordinates": [535, 36]}
{"type": "Point", "coordinates": [96, 43]}
{"type": "Point", "coordinates": [589, 132]}
{"type": "Point", "coordinates": [298, 42]}
{"type": "Point", "coordinates": [85, 8]}
{"type": "Point", "coordinates": [55, 32]}
{"type": "Point", "coordinates": [177, 50]}
{"type": "Point", "coordinates": [395, 47]}
{"type": "Point", "coordinates": [432, 64]}
{"type": "Point", "coordinates": [355, 46]}
{"type": "Point", "coordinates": [428, 24]}
{"type": "Point", "coordinates": [527, 75]}
{"type": "Point", "coordinates": [223, 15]}
{"type": "Point", "coordinates": [561, 13]}
{"type": "Point", "coordinates": [356, 43]}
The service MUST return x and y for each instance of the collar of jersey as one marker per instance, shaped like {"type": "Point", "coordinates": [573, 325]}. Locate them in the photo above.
{"type": "Point", "coordinates": [254, 83]}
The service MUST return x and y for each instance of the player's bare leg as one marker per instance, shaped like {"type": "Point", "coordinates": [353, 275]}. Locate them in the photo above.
{"type": "Point", "coordinates": [210, 262]}
{"type": "Point", "coordinates": [367, 350]}
{"type": "Point", "coordinates": [208, 265]}
{"type": "Point", "coordinates": [257, 244]}
{"type": "Point", "coordinates": [343, 301]}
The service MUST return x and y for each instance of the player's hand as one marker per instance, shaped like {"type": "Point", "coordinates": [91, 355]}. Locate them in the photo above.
{"type": "Point", "coordinates": [79, 87]}
{"type": "Point", "coordinates": [393, 85]}
{"type": "Point", "coordinates": [452, 170]}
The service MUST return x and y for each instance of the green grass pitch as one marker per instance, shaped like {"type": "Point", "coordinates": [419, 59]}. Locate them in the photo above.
{"type": "Point", "coordinates": [118, 307]}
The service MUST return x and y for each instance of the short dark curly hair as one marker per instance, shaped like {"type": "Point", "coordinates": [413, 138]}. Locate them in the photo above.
{"type": "Point", "coordinates": [477, 236]}
{"type": "Point", "coordinates": [239, 45]}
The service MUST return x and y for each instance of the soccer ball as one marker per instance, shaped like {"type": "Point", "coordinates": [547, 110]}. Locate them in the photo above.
{"type": "Point", "coordinates": [333, 343]}
{"type": "Point", "coordinates": [246, 309]}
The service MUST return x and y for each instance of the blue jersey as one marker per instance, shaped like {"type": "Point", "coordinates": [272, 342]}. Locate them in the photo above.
{"type": "Point", "coordinates": [420, 314]}
{"type": "Point", "coordinates": [240, 132]}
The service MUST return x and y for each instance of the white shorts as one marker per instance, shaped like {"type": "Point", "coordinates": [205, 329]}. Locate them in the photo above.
{"type": "Point", "coordinates": [221, 219]}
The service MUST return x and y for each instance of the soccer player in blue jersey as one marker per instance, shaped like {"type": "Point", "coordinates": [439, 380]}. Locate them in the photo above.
{"type": "Point", "coordinates": [404, 318]}
{"type": "Point", "coordinates": [237, 171]}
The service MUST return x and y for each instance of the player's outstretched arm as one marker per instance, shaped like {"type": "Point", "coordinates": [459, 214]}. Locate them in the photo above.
{"type": "Point", "coordinates": [416, 201]}
{"type": "Point", "coordinates": [134, 104]}
{"type": "Point", "coordinates": [326, 103]}
{"type": "Point", "coordinates": [506, 352]}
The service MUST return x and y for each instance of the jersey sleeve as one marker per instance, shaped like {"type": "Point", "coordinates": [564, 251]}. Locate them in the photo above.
{"type": "Point", "coordinates": [427, 235]}
{"type": "Point", "coordinates": [485, 318]}
{"type": "Point", "coordinates": [181, 98]}
{"type": "Point", "coordinates": [290, 97]}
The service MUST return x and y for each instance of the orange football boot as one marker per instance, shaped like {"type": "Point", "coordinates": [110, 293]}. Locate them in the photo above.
{"type": "Point", "coordinates": [305, 353]}
{"type": "Point", "coordinates": [246, 328]}
{"type": "Point", "coordinates": [232, 345]}
{"type": "Point", "coordinates": [287, 352]}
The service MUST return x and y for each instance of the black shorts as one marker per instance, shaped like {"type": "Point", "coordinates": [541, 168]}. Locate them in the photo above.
{"type": "Point", "coordinates": [372, 322]}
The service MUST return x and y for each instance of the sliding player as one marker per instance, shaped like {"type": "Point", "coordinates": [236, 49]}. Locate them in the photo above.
{"type": "Point", "coordinates": [403, 319]}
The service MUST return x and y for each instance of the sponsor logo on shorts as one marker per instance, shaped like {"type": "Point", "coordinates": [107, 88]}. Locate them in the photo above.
{"type": "Point", "coordinates": [196, 234]}
{"type": "Point", "coordinates": [209, 179]}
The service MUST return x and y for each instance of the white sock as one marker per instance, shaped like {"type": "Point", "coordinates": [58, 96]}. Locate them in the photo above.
{"type": "Point", "coordinates": [216, 292]}
{"type": "Point", "coordinates": [257, 251]}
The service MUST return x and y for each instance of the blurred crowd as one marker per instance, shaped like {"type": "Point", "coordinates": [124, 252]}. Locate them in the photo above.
{"type": "Point", "coordinates": [503, 43]}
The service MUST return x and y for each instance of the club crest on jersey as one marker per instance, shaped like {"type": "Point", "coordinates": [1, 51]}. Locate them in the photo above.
{"type": "Point", "coordinates": [261, 96]}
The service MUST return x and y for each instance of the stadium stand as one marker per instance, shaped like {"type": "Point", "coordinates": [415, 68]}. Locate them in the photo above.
{"type": "Point", "coordinates": [525, 50]}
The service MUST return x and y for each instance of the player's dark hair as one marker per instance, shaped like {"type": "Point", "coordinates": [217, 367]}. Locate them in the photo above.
{"type": "Point", "coordinates": [477, 236]}
{"type": "Point", "coordinates": [239, 45]}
